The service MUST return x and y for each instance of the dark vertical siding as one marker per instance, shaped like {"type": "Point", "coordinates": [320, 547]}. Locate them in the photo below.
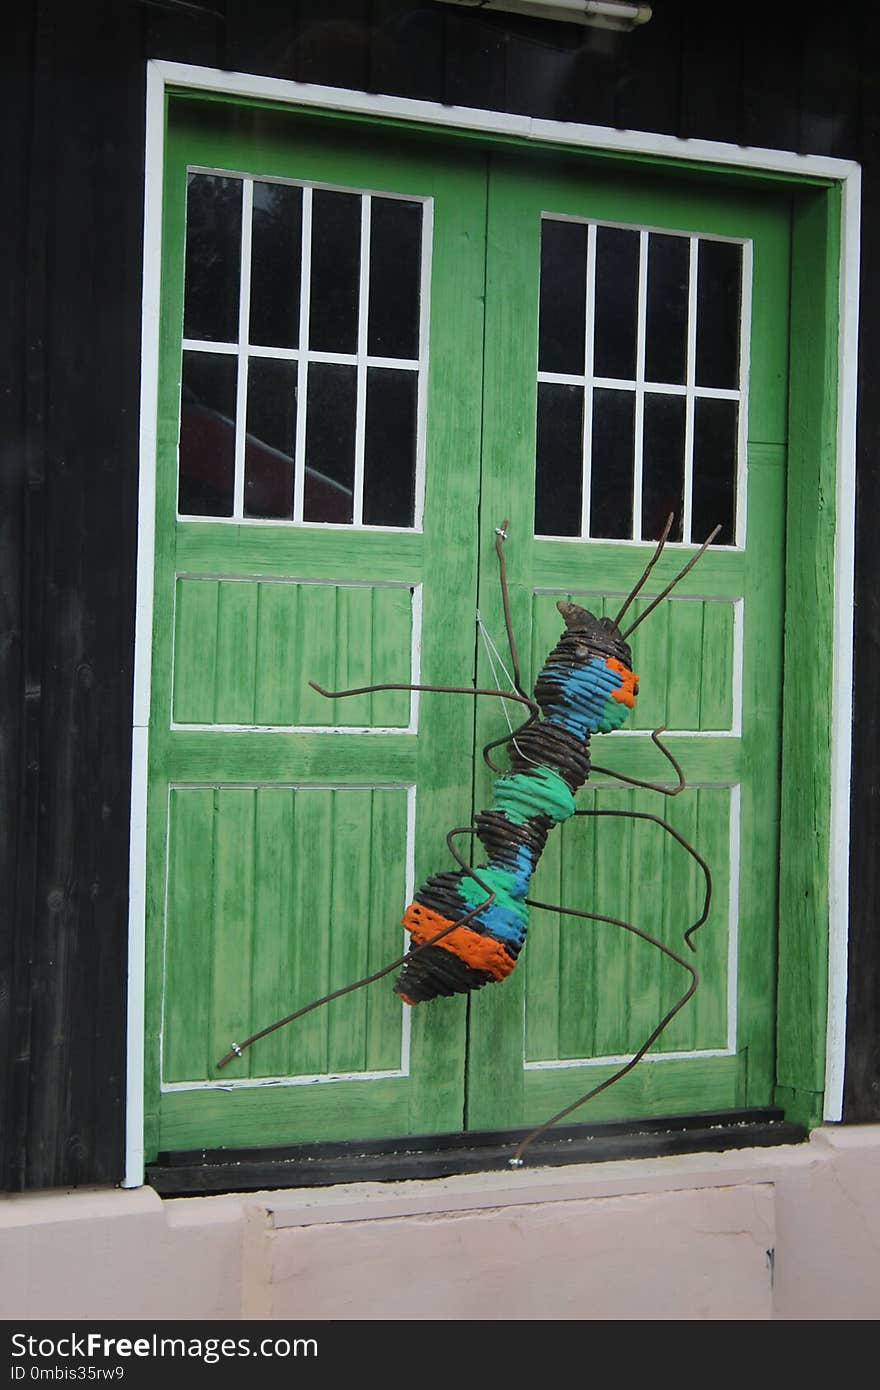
{"type": "Point", "coordinates": [74, 84]}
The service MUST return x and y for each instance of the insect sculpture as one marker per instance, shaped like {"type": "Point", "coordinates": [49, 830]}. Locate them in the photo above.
{"type": "Point", "coordinates": [468, 925]}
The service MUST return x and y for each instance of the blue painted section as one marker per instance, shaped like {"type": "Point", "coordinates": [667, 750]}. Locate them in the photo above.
{"type": "Point", "coordinates": [585, 704]}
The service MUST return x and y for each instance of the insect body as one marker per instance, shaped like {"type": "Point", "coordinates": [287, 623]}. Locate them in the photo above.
{"type": "Point", "coordinates": [587, 686]}
{"type": "Point", "coordinates": [468, 925]}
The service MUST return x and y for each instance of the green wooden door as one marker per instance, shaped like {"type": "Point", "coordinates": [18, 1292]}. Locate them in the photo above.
{"type": "Point", "coordinates": [287, 833]}
{"type": "Point", "coordinates": [621, 282]}
{"type": "Point", "coordinates": [285, 830]}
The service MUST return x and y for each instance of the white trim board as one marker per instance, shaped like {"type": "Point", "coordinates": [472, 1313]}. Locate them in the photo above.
{"type": "Point", "coordinates": [163, 77]}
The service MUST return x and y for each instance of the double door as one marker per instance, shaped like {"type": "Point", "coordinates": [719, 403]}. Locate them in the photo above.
{"type": "Point", "coordinates": [374, 350]}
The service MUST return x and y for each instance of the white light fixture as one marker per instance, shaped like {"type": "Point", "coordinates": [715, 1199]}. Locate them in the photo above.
{"type": "Point", "coordinates": [602, 14]}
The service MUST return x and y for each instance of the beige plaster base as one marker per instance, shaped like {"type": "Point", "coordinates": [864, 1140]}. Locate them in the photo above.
{"type": "Point", "coordinates": [784, 1233]}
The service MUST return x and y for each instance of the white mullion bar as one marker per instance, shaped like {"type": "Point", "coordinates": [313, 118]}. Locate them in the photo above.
{"type": "Point", "coordinates": [745, 353]}
{"type": "Point", "coordinates": [690, 378]}
{"type": "Point", "coordinates": [208, 345]}
{"type": "Point", "coordinates": [244, 312]}
{"type": "Point", "coordinates": [361, 405]}
{"type": "Point", "coordinates": [589, 354]}
{"type": "Point", "coordinates": [302, 376]}
{"type": "Point", "coordinates": [639, 416]}
{"type": "Point", "coordinates": [422, 382]}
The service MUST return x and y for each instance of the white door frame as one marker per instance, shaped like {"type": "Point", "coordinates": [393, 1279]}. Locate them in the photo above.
{"type": "Point", "coordinates": [164, 77]}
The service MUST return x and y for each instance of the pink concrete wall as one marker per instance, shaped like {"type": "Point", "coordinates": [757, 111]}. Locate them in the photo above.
{"type": "Point", "coordinates": [786, 1233]}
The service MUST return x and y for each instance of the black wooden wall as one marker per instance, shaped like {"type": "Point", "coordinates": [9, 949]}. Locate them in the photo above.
{"type": "Point", "coordinates": [72, 171]}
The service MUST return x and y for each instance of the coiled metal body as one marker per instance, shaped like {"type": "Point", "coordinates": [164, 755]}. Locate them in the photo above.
{"type": "Point", "coordinates": [586, 686]}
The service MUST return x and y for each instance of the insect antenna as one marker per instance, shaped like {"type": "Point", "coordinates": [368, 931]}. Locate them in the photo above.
{"type": "Point", "coordinates": [650, 565]}
{"type": "Point", "coordinates": [669, 587]}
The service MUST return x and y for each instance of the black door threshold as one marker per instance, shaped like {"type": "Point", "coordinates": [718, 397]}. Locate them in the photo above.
{"type": "Point", "coordinates": [196, 1172]}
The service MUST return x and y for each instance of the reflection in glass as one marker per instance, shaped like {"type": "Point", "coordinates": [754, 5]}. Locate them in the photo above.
{"type": "Point", "coordinates": [562, 319]}
{"type": "Point", "coordinates": [559, 461]}
{"type": "Point", "coordinates": [330, 439]}
{"type": "Point", "coordinates": [611, 490]}
{"type": "Point", "coordinates": [270, 442]}
{"type": "Point", "coordinates": [716, 425]}
{"type": "Point", "coordinates": [207, 435]}
{"type": "Point", "coordinates": [276, 253]}
{"type": "Point", "coordinates": [336, 249]}
{"type": "Point", "coordinates": [617, 298]}
{"type": "Point", "coordinates": [395, 276]}
{"type": "Point", "coordinates": [719, 300]}
{"type": "Point", "coordinates": [667, 308]}
{"type": "Point", "coordinates": [390, 447]}
{"type": "Point", "coordinates": [213, 258]}
{"type": "Point", "coordinates": [663, 465]}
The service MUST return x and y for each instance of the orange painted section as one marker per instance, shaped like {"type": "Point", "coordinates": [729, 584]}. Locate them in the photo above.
{"type": "Point", "coordinates": [627, 693]}
{"type": "Point", "coordinates": [480, 952]}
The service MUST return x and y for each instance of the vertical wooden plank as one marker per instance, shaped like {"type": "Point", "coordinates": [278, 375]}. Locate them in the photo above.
{"type": "Point", "coordinates": [316, 646]}
{"type": "Point", "coordinates": [716, 684]}
{"type": "Point", "coordinates": [654, 658]}
{"type": "Point", "coordinates": [187, 989]}
{"type": "Point", "coordinates": [195, 651]}
{"type": "Point", "coordinates": [541, 957]}
{"type": "Point", "coordinates": [237, 625]}
{"type": "Point", "coordinates": [385, 937]}
{"type": "Point", "coordinates": [230, 960]}
{"type": "Point", "coordinates": [685, 665]}
{"type": "Point", "coordinates": [277, 664]}
{"type": "Point", "coordinates": [614, 839]}
{"type": "Point", "coordinates": [354, 605]}
{"type": "Point", "coordinates": [349, 889]}
{"type": "Point", "coordinates": [272, 972]}
{"type": "Point", "coordinates": [390, 625]}
{"type": "Point", "coordinates": [311, 926]}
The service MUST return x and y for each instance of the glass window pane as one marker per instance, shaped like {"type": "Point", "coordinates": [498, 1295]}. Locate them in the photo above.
{"type": "Point", "coordinates": [611, 488]}
{"type": "Point", "coordinates": [207, 434]}
{"type": "Point", "coordinates": [716, 427]}
{"type": "Point", "coordinates": [395, 277]}
{"type": "Point", "coordinates": [276, 253]}
{"type": "Point", "coordinates": [719, 305]}
{"type": "Point", "coordinates": [213, 258]}
{"type": "Point", "coordinates": [270, 443]}
{"type": "Point", "coordinates": [667, 308]}
{"type": "Point", "coordinates": [562, 318]}
{"type": "Point", "coordinates": [390, 447]}
{"type": "Point", "coordinates": [559, 465]}
{"type": "Point", "coordinates": [663, 465]}
{"type": "Point", "coordinates": [617, 300]}
{"type": "Point", "coordinates": [336, 252]}
{"type": "Point", "coordinates": [330, 436]}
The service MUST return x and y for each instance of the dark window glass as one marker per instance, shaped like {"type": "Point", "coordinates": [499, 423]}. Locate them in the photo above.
{"type": "Point", "coordinates": [617, 301]}
{"type": "Point", "coordinates": [666, 309]}
{"type": "Point", "coordinates": [213, 258]}
{"type": "Point", "coordinates": [719, 301]}
{"type": "Point", "coordinates": [663, 465]}
{"type": "Point", "coordinates": [270, 443]}
{"type": "Point", "coordinates": [276, 253]}
{"type": "Point", "coordinates": [563, 297]}
{"type": "Point", "coordinates": [336, 250]}
{"type": "Point", "coordinates": [207, 434]}
{"type": "Point", "coordinates": [330, 436]}
{"type": "Point", "coordinates": [611, 488]}
{"type": "Point", "coordinates": [395, 277]}
{"type": "Point", "coordinates": [716, 425]}
{"type": "Point", "coordinates": [390, 447]}
{"type": "Point", "coordinates": [559, 465]}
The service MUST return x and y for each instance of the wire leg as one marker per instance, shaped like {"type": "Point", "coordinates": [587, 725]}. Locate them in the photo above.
{"type": "Point", "coordinates": [516, 1160]}
{"type": "Point", "coordinates": [237, 1049]}
{"type": "Point", "coordinates": [521, 699]}
{"type": "Point", "coordinates": [650, 786]}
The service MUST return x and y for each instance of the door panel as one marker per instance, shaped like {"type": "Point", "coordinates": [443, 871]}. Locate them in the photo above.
{"type": "Point", "coordinates": [709, 658]}
{"type": "Point", "coordinates": [286, 830]}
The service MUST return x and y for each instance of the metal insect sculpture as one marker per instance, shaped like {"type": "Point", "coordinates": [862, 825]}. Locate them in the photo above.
{"type": "Point", "coordinates": [468, 925]}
